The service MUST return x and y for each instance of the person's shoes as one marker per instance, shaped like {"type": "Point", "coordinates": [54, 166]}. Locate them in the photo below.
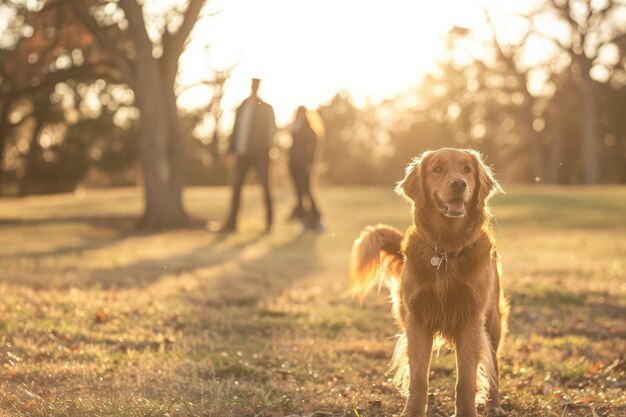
{"type": "Point", "coordinates": [296, 214]}
{"type": "Point", "coordinates": [318, 226]}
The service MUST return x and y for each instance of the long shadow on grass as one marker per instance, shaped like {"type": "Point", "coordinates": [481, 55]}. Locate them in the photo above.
{"type": "Point", "coordinates": [265, 260]}
{"type": "Point", "coordinates": [232, 300]}
{"type": "Point", "coordinates": [260, 277]}
{"type": "Point", "coordinates": [120, 227]}
{"type": "Point", "coordinates": [143, 273]}
{"type": "Point", "coordinates": [99, 232]}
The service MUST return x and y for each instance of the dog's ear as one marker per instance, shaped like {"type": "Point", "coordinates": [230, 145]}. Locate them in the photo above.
{"type": "Point", "coordinates": [487, 184]}
{"type": "Point", "coordinates": [411, 186]}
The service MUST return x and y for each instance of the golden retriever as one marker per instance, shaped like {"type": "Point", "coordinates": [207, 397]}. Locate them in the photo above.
{"type": "Point", "coordinates": [444, 278]}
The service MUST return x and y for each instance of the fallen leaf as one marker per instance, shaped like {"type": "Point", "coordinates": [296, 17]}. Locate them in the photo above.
{"type": "Point", "coordinates": [594, 369]}
{"type": "Point", "coordinates": [101, 316]}
{"type": "Point", "coordinates": [29, 405]}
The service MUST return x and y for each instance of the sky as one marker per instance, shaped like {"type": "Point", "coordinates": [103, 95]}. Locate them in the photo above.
{"type": "Point", "coordinates": [305, 51]}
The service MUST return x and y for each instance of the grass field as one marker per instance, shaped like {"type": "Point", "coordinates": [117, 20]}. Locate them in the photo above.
{"type": "Point", "coordinates": [97, 319]}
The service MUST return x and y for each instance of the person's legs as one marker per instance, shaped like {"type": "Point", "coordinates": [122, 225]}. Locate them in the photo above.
{"type": "Point", "coordinates": [314, 216]}
{"type": "Point", "coordinates": [298, 210]}
{"type": "Point", "coordinates": [242, 164]}
{"type": "Point", "coordinates": [301, 213]}
{"type": "Point", "coordinates": [306, 181]}
{"type": "Point", "coordinates": [262, 165]}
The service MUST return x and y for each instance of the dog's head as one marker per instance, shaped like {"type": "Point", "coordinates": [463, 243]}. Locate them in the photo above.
{"type": "Point", "coordinates": [454, 182]}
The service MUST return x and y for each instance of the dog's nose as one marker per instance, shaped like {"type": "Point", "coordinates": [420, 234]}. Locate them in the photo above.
{"type": "Point", "coordinates": [458, 185]}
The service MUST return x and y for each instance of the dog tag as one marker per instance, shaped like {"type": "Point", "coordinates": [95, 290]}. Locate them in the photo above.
{"type": "Point", "coordinates": [435, 260]}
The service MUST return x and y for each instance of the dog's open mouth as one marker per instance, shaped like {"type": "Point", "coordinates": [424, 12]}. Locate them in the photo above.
{"type": "Point", "coordinates": [453, 208]}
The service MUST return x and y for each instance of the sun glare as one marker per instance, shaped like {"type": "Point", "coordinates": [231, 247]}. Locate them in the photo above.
{"type": "Point", "coordinates": [306, 51]}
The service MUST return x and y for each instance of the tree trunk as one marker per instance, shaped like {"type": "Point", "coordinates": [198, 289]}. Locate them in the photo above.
{"type": "Point", "coordinates": [589, 129]}
{"type": "Point", "coordinates": [4, 131]}
{"type": "Point", "coordinates": [537, 152]}
{"type": "Point", "coordinates": [559, 114]}
{"type": "Point", "coordinates": [176, 146]}
{"type": "Point", "coordinates": [159, 151]}
{"type": "Point", "coordinates": [162, 178]}
{"type": "Point", "coordinates": [535, 138]}
{"type": "Point", "coordinates": [28, 184]}
{"type": "Point", "coordinates": [555, 170]}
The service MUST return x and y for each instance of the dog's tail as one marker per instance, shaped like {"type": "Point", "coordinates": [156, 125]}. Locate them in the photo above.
{"type": "Point", "coordinates": [376, 259]}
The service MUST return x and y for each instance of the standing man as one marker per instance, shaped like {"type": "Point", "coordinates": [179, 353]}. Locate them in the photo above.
{"type": "Point", "coordinates": [250, 142]}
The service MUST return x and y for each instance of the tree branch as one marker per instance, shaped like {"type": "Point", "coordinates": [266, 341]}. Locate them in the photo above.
{"type": "Point", "coordinates": [560, 12]}
{"type": "Point", "coordinates": [174, 44]}
{"type": "Point", "coordinates": [599, 16]}
{"type": "Point", "coordinates": [565, 11]}
{"type": "Point", "coordinates": [137, 27]}
{"type": "Point", "coordinates": [83, 73]}
{"type": "Point", "coordinates": [507, 58]}
{"type": "Point", "coordinates": [556, 42]}
{"type": "Point", "coordinates": [121, 60]}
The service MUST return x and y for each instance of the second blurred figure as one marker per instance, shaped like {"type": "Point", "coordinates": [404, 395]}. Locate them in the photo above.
{"type": "Point", "coordinates": [305, 139]}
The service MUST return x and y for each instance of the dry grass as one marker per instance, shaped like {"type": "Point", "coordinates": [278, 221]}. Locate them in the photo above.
{"type": "Point", "coordinates": [98, 320]}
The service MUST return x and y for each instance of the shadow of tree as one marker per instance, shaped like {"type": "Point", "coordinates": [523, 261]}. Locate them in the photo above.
{"type": "Point", "coordinates": [237, 275]}
{"type": "Point", "coordinates": [118, 227]}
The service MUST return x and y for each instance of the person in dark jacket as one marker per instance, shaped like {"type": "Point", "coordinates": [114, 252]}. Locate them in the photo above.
{"type": "Point", "coordinates": [301, 161]}
{"type": "Point", "coordinates": [250, 142]}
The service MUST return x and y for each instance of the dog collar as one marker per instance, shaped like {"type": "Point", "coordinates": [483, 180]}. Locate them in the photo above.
{"type": "Point", "coordinates": [442, 257]}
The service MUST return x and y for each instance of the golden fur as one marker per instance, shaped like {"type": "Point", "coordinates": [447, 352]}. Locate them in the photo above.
{"type": "Point", "coordinates": [461, 301]}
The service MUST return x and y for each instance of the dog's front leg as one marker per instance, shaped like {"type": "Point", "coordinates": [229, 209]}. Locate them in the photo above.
{"type": "Point", "coordinates": [468, 342]}
{"type": "Point", "coordinates": [419, 349]}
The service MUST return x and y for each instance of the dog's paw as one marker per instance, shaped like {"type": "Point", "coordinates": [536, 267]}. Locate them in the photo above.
{"type": "Point", "coordinates": [496, 412]}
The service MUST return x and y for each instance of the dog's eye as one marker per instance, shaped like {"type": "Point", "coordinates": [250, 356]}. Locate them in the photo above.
{"type": "Point", "coordinates": [437, 170]}
{"type": "Point", "coordinates": [467, 169]}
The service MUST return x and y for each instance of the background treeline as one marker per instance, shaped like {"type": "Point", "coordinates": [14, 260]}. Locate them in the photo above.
{"type": "Point", "coordinates": [73, 109]}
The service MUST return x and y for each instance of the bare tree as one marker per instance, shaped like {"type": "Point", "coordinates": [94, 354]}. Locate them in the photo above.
{"type": "Point", "coordinates": [152, 79]}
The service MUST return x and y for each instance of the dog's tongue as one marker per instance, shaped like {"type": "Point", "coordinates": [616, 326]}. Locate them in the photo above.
{"type": "Point", "coordinates": [457, 206]}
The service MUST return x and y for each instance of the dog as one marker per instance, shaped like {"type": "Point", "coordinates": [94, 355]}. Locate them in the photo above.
{"type": "Point", "coordinates": [444, 276]}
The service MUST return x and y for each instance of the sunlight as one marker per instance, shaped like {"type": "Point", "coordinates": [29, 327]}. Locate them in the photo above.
{"type": "Point", "coordinates": [306, 51]}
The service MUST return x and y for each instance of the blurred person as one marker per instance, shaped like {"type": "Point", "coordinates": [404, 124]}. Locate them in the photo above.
{"type": "Point", "coordinates": [250, 142]}
{"type": "Point", "coordinates": [305, 134]}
